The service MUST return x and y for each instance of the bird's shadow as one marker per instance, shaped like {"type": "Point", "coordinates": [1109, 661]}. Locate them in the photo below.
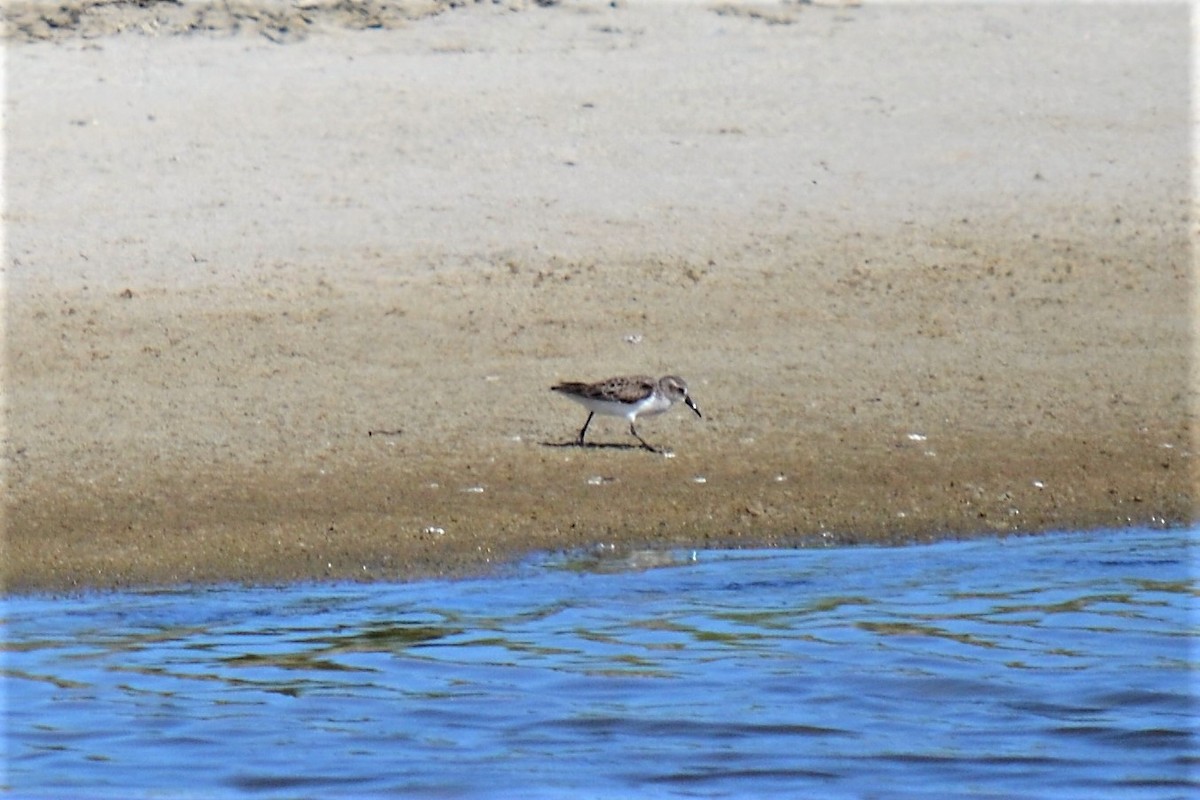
{"type": "Point", "coordinates": [594, 445]}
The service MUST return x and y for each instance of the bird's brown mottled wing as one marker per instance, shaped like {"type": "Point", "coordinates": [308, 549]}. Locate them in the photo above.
{"type": "Point", "coordinates": [623, 389]}
{"type": "Point", "coordinates": [626, 389]}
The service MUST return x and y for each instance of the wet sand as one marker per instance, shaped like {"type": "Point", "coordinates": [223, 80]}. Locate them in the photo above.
{"type": "Point", "coordinates": [285, 292]}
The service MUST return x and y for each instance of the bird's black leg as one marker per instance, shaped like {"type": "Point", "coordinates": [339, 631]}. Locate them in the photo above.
{"type": "Point", "coordinates": [584, 429]}
{"type": "Point", "coordinates": [646, 445]}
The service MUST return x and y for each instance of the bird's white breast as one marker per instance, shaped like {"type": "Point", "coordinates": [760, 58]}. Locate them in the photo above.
{"type": "Point", "coordinates": [653, 404]}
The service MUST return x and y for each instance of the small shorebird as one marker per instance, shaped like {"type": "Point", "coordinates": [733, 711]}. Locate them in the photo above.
{"type": "Point", "coordinates": [628, 397]}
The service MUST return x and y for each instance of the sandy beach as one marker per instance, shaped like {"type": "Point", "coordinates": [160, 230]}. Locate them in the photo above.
{"type": "Point", "coordinates": [286, 285]}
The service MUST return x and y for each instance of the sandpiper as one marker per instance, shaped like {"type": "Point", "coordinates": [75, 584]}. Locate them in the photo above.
{"type": "Point", "coordinates": [628, 397]}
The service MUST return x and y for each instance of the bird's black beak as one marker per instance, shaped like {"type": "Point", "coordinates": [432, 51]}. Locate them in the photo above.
{"type": "Point", "coordinates": [692, 406]}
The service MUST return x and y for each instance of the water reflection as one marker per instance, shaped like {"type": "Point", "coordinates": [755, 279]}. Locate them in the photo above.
{"type": "Point", "coordinates": [1024, 667]}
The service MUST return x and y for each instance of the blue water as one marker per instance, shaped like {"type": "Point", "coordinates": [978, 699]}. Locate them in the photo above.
{"type": "Point", "coordinates": [1053, 666]}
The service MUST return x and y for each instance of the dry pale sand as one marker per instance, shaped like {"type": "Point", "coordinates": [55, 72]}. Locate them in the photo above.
{"type": "Point", "coordinates": [928, 270]}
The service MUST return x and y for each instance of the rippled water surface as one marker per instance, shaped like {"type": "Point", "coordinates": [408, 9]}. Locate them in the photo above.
{"type": "Point", "coordinates": [1054, 666]}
